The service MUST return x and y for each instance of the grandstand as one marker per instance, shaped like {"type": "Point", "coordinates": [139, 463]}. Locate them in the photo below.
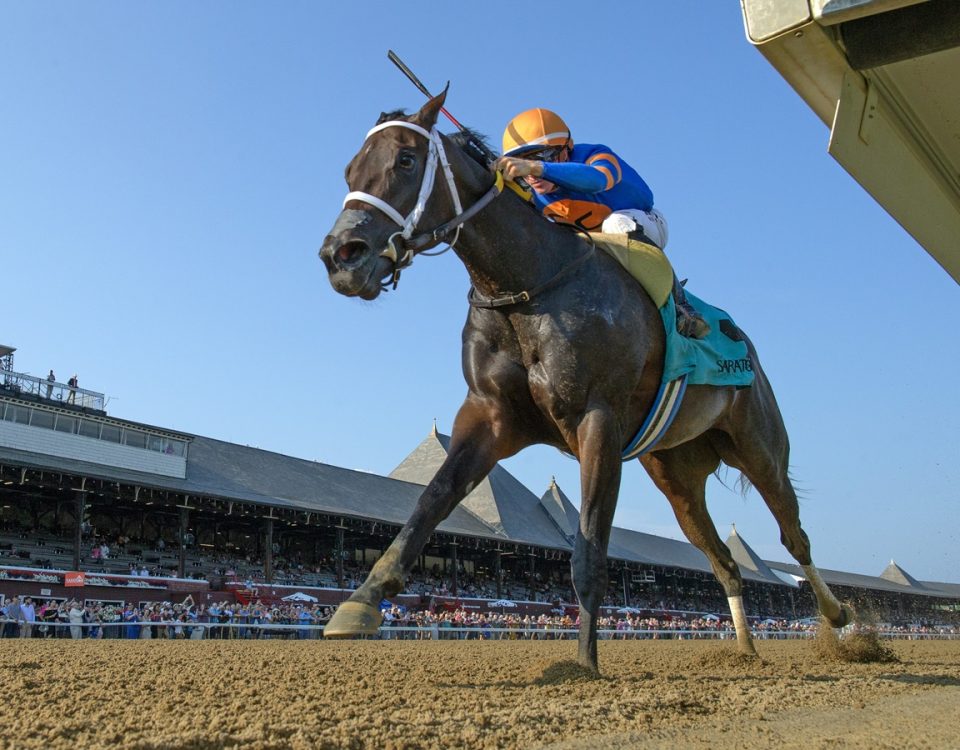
{"type": "Point", "coordinates": [143, 510]}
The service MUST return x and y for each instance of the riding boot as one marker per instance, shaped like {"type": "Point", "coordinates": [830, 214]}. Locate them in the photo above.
{"type": "Point", "coordinates": [689, 322]}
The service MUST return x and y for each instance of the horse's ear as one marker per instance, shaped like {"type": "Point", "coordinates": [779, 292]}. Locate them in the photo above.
{"type": "Point", "coordinates": [427, 116]}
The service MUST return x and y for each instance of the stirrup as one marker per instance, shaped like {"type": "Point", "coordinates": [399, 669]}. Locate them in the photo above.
{"type": "Point", "coordinates": [691, 324]}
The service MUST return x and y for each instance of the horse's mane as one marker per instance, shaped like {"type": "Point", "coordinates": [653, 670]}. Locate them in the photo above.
{"type": "Point", "coordinates": [462, 139]}
{"type": "Point", "coordinates": [397, 114]}
{"type": "Point", "coordinates": [467, 139]}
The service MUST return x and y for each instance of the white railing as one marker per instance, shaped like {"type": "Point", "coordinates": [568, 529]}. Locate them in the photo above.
{"type": "Point", "coordinates": [435, 632]}
{"type": "Point", "coordinates": [19, 383]}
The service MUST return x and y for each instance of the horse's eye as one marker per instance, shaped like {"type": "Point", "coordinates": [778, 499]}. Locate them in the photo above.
{"type": "Point", "coordinates": [406, 161]}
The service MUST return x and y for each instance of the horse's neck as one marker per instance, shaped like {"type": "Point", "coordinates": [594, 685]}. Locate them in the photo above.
{"type": "Point", "coordinates": [507, 247]}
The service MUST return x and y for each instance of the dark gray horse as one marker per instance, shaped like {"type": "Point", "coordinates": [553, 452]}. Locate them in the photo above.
{"type": "Point", "coordinates": [562, 347]}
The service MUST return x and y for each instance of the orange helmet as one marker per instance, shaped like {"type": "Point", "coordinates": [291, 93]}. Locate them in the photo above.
{"type": "Point", "coordinates": [535, 129]}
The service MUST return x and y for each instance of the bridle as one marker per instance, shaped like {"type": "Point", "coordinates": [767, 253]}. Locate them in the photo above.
{"type": "Point", "coordinates": [402, 246]}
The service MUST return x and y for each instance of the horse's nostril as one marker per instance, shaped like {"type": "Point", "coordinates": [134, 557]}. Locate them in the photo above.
{"type": "Point", "coordinates": [350, 252]}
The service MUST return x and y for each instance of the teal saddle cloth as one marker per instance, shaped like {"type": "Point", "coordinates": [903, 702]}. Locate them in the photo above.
{"type": "Point", "coordinates": [719, 359]}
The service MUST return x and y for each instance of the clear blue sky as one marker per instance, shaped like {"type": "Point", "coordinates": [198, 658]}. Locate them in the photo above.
{"type": "Point", "coordinates": [168, 171]}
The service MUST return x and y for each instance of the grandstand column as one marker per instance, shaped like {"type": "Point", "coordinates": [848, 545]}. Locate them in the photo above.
{"type": "Point", "coordinates": [453, 559]}
{"type": "Point", "coordinates": [340, 529]}
{"type": "Point", "coordinates": [182, 556]}
{"type": "Point", "coordinates": [497, 574]}
{"type": "Point", "coordinates": [268, 551]}
{"type": "Point", "coordinates": [533, 574]}
{"type": "Point", "coordinates": [80, 504]}
{"type": "Point", "coordinates": [626, 586]}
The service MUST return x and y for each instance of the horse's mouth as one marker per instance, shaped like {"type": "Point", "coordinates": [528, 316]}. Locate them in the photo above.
{"type": "Point", "coordinates": [354, 270]}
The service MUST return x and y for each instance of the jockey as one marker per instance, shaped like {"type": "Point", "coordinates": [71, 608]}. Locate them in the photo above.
{"type": "Point", "coordinates": [590, 187]}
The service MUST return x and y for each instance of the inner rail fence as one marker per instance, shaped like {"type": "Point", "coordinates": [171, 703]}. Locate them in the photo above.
{"type": "Point", "coordinates": [296, 631]}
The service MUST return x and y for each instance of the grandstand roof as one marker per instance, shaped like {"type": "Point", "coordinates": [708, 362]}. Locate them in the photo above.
{"type": "Point", "coordinates": [856, 580]}
{"type": "Point", "coordinates": [635, 546]}
{"type": "Point", "coordinates": [235, 472]}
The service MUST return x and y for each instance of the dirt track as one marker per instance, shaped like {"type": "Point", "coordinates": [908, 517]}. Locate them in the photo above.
{"type": "Point", "coordinates": [187, 694]}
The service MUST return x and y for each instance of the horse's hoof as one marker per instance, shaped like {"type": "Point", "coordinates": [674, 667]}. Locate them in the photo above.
{"type": "Point", "coordinates": [845, 617]}
{"type": "Point", "coordinates": [353, 618]}
{"type": "Point", "coordinates": [588, 669]}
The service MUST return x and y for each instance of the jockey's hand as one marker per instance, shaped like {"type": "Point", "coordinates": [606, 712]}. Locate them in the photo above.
{"type": "Point", "coordinates": [514, 168]}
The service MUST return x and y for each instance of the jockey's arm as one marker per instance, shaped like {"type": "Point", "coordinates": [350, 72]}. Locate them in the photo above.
{"type": "Point", "coordinates": [594, 177]}
{"type": "Point", "coordinates": [602, 173]}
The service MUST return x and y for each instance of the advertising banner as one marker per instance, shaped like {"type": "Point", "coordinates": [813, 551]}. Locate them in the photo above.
{"type": "Point", "coordinates": [73, 579]}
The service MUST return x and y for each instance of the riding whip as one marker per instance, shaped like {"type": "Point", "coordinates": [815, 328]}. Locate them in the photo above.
{"type": "Point", "coordinates": [473, 142]}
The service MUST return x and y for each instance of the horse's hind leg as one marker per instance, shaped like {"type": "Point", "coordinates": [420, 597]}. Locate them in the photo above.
{"type": "Point", "coordinates": [681, 474]}
{"type": "Point", "coordinates": [758, 446]}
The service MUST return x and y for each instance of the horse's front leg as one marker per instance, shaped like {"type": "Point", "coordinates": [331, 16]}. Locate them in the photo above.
{"type": "Point", "coordinates": [599, 450]}
{"type": "Point", "coordinates": [480, 438]}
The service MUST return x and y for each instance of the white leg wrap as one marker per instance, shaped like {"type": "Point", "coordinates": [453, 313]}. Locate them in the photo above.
{"type": "Point", "coordinates": [827, 602]}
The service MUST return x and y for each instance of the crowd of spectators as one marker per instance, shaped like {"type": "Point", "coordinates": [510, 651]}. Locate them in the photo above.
{"type": "Point", "coordinates": [21, 617]}
{"type": "Point", "coordinates": [492, 625]}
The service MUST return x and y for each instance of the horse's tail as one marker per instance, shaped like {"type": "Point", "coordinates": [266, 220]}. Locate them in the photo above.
{"type": "Point", "coordinates": [743, 485]}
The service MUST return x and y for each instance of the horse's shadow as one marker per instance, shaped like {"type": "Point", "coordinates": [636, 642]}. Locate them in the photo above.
{"type": "Point", "coordinates": [558, 673]}
{"type": "Point", "coordinates": [923, 679]}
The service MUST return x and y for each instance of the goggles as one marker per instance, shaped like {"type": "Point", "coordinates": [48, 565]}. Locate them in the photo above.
{"type": "Point", "coordinates": [550, 153]}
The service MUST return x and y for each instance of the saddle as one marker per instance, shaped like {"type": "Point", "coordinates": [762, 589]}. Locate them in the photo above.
{"type": "Point", "coordinates": [647, 263]}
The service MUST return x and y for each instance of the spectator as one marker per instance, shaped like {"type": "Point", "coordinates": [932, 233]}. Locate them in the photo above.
{"type": "Point", "coordinates": [72, 384]}
{"type": "Point", "coordinates": [28, 614]}
{"type": "Point", "coordinates": [48, 615]}
{"type": "Point", "coordinates": [63, 620]}
{"type": "Point", "coordinates": [131, 617]}
{"type": "Point", "coordinates": [76, 619]}
{"type": "Point", "coordinates": [11, 611]}
{"type": "Point", "coordinates": [51, 379]}
{"type": "Point", "coordinates": [93, 616]}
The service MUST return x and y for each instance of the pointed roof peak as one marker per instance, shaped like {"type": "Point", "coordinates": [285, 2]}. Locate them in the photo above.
{"type": "Point", "coordinates": [745, 557]}
{"type": "Point", "coordinates": [733, 529]}
{"type": "Point", "coordinates": [561, 511]}
{"type": "Point", "coordinates": [433, 432]}
{"type": "Point", "coordinates": [499, 500]}
{"type": "Point", "coordinates": [895, 574]}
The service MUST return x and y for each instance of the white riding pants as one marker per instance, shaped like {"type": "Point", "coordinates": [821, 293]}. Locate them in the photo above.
{"type": "Point", "coordinates": [652, 222]}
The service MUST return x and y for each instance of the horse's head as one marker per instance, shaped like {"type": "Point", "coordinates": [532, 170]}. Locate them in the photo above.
{"type": "Point", "coordinates": [388, 196]}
